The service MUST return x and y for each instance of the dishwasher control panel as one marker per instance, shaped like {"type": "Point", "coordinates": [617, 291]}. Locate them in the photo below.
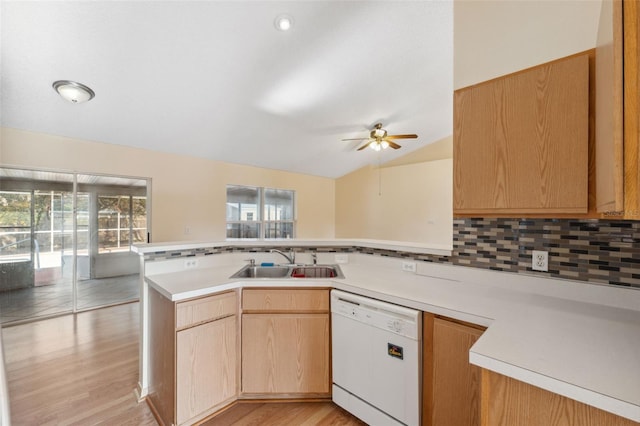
{"type": "Point", "coordinates": [393, 318]}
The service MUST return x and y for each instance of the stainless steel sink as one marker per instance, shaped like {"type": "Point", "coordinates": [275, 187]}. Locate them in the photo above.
{"type": "Point", "coordinates": [289, 271]}
{"type": "Point", "coordinates": [317, 271]}
{"type": "Point", "coordinates": [263, 272]}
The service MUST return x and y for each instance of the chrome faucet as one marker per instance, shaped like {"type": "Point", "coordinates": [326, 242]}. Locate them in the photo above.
{"type": "Point", "coordinates": [291, 257]}
{"type": "Point", "coordinates": [314, 256]}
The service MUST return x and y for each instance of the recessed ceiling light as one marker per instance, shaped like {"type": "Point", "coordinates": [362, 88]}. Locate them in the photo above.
{"type": "Point", "coordinates": [73, 92]}
{"type": "Point", "coordinates": [283, 22]}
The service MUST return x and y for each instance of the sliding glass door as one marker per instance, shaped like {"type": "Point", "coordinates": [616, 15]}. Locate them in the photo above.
{"type": "Point", "coordinates": [16, 254]}
{"type": "Point", "coordinates": [65, 242]}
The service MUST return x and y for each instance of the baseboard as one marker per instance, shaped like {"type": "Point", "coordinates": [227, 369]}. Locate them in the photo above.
{"type": "Point", "coordinates": [154, 411]}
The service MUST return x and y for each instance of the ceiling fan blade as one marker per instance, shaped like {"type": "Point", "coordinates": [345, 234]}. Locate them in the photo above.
{"type": "Point", "coordinates": [401, 137]}
{"type": "Point", "coordinates": [393, 145]}
{"type": "Point", "coordinates": [364, 146]}
{"type": "Point", "coordinates": [356, 139]}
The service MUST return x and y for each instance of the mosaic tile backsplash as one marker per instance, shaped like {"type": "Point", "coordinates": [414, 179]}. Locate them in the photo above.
{"type": "Point", "coordinates": [593, 250]}
{"type": "Point", "coordinates": [588, 250]}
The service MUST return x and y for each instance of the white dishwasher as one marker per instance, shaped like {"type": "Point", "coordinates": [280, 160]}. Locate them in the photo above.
{"type": "Point", "coordinates": [376, 359]}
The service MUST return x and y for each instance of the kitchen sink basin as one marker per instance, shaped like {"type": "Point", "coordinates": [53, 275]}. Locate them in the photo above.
{"type": "Point", "coordinates": [289, 271]}
{"type": "Point", "coordinates": [263, 272]}
{"type": "Point", "coordinates": [317, 271]}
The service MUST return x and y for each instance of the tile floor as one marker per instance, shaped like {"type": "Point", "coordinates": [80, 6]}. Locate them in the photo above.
{"type": "Point", "coordinates": [37, 302]}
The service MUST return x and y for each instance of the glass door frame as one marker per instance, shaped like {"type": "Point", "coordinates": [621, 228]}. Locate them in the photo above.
{"type": "Point", "coordinates": [32, 183]}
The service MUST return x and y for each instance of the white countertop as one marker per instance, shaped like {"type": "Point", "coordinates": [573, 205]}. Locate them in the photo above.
{"type": "Point", "coordinates": [579, 340]}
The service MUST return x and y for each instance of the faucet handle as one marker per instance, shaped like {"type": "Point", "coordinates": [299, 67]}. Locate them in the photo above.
{"type": "Point", "coordinates": [252, 262]}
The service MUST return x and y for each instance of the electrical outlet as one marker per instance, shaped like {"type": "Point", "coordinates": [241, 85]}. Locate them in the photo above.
{"type": "Point", "coordinates": [341, 258]}
{"type": "Point", "coordinates": [540, 260]}
{"type": "Point", "coordinates": [409, 267]}
{"type": "Point", "coordinates": [190, 263]}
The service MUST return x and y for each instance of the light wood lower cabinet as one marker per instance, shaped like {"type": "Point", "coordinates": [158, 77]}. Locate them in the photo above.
{"type": "Point", "coordinates": [507, 402]}
{"type": "Point", "coordinates": [451, 384]}
{"type": "Point", "coordinates": [285, 343]}
{"type": "Point", "coordinates": [205, 367]}
{"type": "Point", "coordinates": [194, 356]}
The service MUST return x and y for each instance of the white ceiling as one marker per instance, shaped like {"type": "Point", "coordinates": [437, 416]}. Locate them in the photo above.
{"type": "Point", "coordinates": [215, 79]}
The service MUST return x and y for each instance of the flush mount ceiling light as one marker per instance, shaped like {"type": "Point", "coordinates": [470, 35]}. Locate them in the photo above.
{"type": "Point", "coordinates": [283, 22]}
{"type": "Point", "coordinates": [73, 92]}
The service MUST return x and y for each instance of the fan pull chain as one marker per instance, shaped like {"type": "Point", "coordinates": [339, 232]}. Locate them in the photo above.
{"type": "Point", "coordinates": [379, 175]}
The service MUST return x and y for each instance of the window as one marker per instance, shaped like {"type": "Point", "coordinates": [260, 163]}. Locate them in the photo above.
{"type": "Point", "coordinates": [260, 213]}
{"type": "Point", "coordinates": [121, 222]}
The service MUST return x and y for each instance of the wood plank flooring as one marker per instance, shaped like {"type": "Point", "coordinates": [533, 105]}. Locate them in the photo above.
{"type": "Point", "coordinates": [76, 370]}
{"type": "Point", "coordinates": [82, 370]}
{"type": "Point", "coordinates": [284, 413]}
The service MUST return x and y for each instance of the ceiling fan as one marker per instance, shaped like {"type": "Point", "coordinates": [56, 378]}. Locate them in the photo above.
{"type": "Point", "coordinates": [378, 139]}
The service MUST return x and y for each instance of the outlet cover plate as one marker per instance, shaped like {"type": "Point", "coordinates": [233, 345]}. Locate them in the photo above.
{"type": "Point", "coordinates": [342, 258]}
{"type": "Point", "coordinates": [409, 267]}
{"type": "Point", "coordinates": [190, 263]}
{"type": "Point", "coordinates": [540, 260]}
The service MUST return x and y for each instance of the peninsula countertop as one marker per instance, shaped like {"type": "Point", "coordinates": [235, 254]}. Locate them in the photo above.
{"type": "Point", "coordinates": [576, 339]}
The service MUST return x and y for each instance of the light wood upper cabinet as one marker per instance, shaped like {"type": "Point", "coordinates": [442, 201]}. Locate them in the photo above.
{"type": "Point", "coordinates": [451, 384]}
{"type": "Point", "coordinates": [609, 110]}
{"type": "Point", "coordinates": [521, 142]}
{"type": "Point", "coordinates": [631, 23]}
{"type": "Point", "coordinates": [285, 343]}
{"type": "Point", "coordinates": [617, 111]}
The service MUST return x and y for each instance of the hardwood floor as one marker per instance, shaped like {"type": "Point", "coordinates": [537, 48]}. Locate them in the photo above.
{"type": "Point", "coordinates": [284, 413]}
{"type": "Point", "coordinates": [54, 299]}
{"type": "Point", "coordinates": [82, 370]}
{"type": "Point", "coordinates": [76, 370]}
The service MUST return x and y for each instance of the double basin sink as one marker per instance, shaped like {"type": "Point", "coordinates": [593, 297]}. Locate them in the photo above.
{"type": "Point", "coordinates": [289, 271]}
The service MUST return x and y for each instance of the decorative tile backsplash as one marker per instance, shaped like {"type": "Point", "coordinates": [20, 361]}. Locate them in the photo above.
{"type": "Point", "coordinates": [591, 250]}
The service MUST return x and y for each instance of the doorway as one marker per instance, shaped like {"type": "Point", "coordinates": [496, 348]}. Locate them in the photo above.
{"type": "Point", "coordinates": [65, 242]}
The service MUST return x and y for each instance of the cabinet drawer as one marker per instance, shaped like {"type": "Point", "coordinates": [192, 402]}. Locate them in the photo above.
{"type": "Point", "coordinates": [285, 300]}
{"type": "Point", "coordinates": [205, 309]}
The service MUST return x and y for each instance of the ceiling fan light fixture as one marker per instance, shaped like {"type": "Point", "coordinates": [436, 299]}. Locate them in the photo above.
{"type": "Point", "coordinates": [283, 22]}
{"type": "Point", "coordinates": [384, 144]}
{"type": "Point", "coordinates": [73, 92]}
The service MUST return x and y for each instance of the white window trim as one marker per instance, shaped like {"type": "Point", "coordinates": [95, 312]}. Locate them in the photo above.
{"type": "Point", "coordinates": [262, 222]}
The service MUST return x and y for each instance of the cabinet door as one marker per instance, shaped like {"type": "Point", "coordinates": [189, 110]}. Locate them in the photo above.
{"type": "Point", "coordinates": [520, 142]}
{"type": "Point", "coordinates": [285, 354]}
{"type": "Point", "coordinates": [456, 383]}
{"type": "Point", "coordinates": [206, 367]}
{"type": "Point", "coordinates": [631, 13]}
{"type": "Point", "coordinates": [507, 402]}
{"type": "Point", "coordinates": [609, 109]}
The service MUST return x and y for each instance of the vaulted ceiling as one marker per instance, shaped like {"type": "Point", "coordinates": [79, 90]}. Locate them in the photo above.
{"type": "Point", "coordinates": [216, 79]}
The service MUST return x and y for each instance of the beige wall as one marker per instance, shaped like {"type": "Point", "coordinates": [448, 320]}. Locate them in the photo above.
{"type": "Point", "coordinates": [493, 38]}
{"type": "Point", "coordinates": [411, 202]}
{"type": "Point", "coordinates": [186, 191]}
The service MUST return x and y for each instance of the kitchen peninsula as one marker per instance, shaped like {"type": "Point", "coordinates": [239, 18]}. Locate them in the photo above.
{"type": "Point", "coordinates": [574, 339]}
